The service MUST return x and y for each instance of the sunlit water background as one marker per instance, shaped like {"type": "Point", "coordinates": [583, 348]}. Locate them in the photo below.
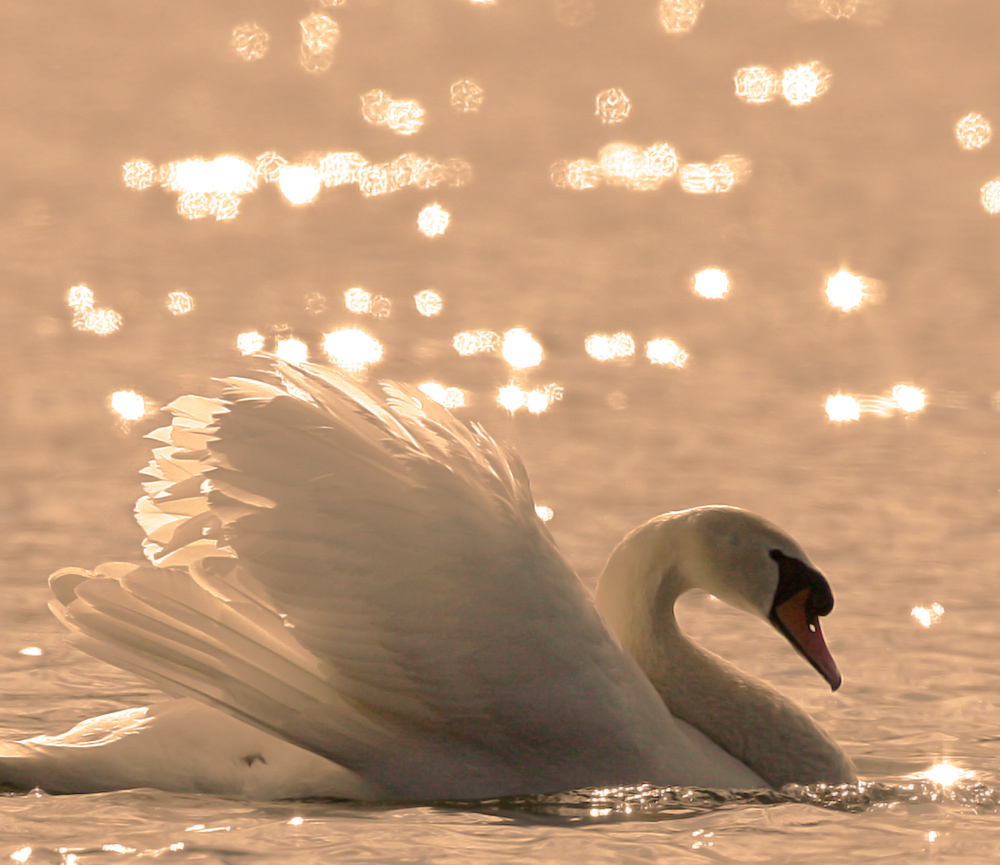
{"type": "Point", "coordinates": [898, 508]}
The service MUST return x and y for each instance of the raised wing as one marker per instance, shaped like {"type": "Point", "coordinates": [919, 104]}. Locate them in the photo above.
{"type": "Point", "coordinates": [395, 604]}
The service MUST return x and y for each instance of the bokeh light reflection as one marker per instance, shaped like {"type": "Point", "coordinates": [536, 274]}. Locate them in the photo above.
{"type": "Point", "coordinates": [679, 16]}
{"type": "Point", "coordinates": [300, 184]}
{"type": "Point", "coordinates": [337, 169]}
{"type": "Point", "coordinates": [374, 180]}
{"type": "Point", "coordinates": [619, 164]}
{"type": "Point", "coordinates": [250, 342]}
{"type": "Point", "coordinates": [433, 220]}
{"type": "Point", "coordinates": [604, 347]}
{"type": "Point", "coordinates": [576, 174]}
{"type": "Point", "coordinates": [268, 166]}
{"type": "Point", "coordinates": [404, 116]}
{"type": "Point", "coordinates": [846, 291]}
{"type": "Point", "coordinates": [973, 131]}
{"type": "Point", "coordinates": [909, 398]}
{"type": "Point", "coordinates": [613, 106]}
{"type": "Point", "coordinates": [449, 397]}
{"type": "Point", "coordinates": [179, 303]}
{"type": "Point", "coordinates": [537, 400]}
{"type": "Point", "coordinates": [352, 348]}
{"type": "Point", "coordinates": [320, 34]}
{"type": "Point", "coordinates": [802, 84]}
{"type": "Point", "coordinates": [226, 173]}
{"type": "Point", "coordinates": [711, 283]}
{"type": "Point", "coordinates": [466, 96]}
{"type": "Point", "coordinates": [757, 84]}
{"type": "Point", "coordinates": [666, 352]}
{"type": "Point", "coordinates": [661, 160]}
{"type": "Point", "coordinates": [906, 398]}
{"type": "Point", "coordinates": [638, 169]}
{"type": "Point", "coordinates": [209, 187]}
{"type": "Point", "coordinates": [80, 299]}
{"type": "Point", "coordinates": [428, 302]}
{"type": "Point", "coordinates": [842, 408]}
{"type": "Point", "coordinates": [945, 773]}
{"type": "Point", "coordinates": [520, 349]}
{"type": "Point", "coordinates": [990, 196]}
{"type": "Point", "coordinates": [103, 322]}
{"type": "Point", "coordinates": [128, 405]}
{"type": "Point", "coordinates": [929, 615]}
{"type": "Point", "coordinates": [140, 174]}
{"type": "Point", "coordinates": [292, 349]}
{"type": "Point", "coordinates": [250, 41]}
{"type": "Point", "coordinates": [358, 301]}
{"type": "Point", "coordinates": [470, 342]}
{"type": "Point", "coordinates": [866, 11]}
{"type": "Point", "coordinates": [696, 178]}
{"type": "Point", "coordinates": [701, 178]}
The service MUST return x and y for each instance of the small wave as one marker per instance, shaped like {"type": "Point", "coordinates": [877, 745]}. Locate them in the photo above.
{"type": "Point", "coordinates": [646, 802]}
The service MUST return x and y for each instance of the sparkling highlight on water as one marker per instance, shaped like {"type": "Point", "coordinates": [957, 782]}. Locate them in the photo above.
{"type": "Point", "coordinates": [352, 348]}
{"type": "Point", "coordinates": [292, 350]}
{"type": "Point", "coordinates": [604, 347]}
{"type": "Point", "coordinates": [250, 41]}
{"type": "Point", "coordinates": [842, 407]}
{"type": "Point", "coordinates": [929, 615]}
{"type": "Point", "coordinates": [846, 291]}
{"type": "Point", "coordinates": [250, 342]}
{"type": "Point", "coordinates": [973, 132]}
{"type": "Point", "coordinates": [128, 405]}
{"type": "Point", "coordinates": [666, 352]}
{"type": "Point", "coordinates": [449, 397]}
{"type": "Point", "coordinates": [433, 220]}
{"type": "Point", "coordinates": [179, 303]}
{"type": "Point", "coordinates": [711, 283]}
{"type": "Point", "coordinates": [520, 349]}
{"type": "Point", "coordinates": [679, 16]}
{"type": "Point", "coordinates": [300, 184]}
{"type": "Point", "coordinates": [428, 302]}
{"type": "Point", "coordinates": [613, 106]}
{"type": "Point", "coordinates": [466, 96]}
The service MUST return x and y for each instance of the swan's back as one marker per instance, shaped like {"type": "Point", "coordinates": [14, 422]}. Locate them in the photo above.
{"type": "Point", "coordinates": [366, 577]}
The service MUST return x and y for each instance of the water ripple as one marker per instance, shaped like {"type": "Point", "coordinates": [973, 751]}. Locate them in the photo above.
{"type": "Point", "coordinates": [646, 802]}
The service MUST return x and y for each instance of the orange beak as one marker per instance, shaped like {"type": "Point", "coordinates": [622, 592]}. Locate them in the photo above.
{"type": "Point", "coordinates": [801, 628]}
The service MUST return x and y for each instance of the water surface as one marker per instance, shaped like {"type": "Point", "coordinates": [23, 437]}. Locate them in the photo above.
{"type": "Point", "coordinates": [900, 509]}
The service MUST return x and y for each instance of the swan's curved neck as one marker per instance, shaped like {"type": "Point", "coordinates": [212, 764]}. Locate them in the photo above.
{"type": "Point", "coordinates": [638, 588]}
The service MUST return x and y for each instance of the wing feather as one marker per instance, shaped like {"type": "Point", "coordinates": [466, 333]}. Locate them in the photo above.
{"type": "Point", "coordinates": [395, 603]}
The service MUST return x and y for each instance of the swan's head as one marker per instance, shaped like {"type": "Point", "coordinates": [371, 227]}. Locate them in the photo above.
{"type": "Point", "coordinates": [735, 555]}
{"type": "Point", "coordinates": [751, 564]}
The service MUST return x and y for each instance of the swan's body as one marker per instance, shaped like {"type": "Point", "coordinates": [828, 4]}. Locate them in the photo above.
{"type": "Point", "coordinates": [357, 593]}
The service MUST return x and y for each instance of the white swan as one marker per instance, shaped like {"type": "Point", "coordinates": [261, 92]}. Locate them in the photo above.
{"type": "Point", "coordinates": [360, 583]}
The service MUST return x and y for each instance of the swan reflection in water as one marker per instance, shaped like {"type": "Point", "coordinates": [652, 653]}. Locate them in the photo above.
{"type": "Point", "coordinates": [350, 594]}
